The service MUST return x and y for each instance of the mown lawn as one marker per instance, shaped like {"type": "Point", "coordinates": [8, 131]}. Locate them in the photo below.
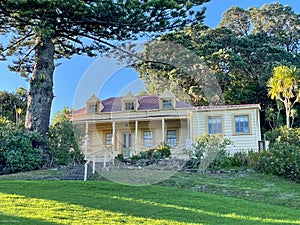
{"type": "Point", "coordinates": [251, 186]}
{"type": "Point", "coordinates": [94, 202]}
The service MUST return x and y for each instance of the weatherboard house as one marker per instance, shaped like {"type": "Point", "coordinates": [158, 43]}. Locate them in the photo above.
{"type": "Point", "coordinates": [130, 124]}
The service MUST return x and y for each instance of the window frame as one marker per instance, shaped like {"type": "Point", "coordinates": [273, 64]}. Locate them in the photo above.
{"type": "Point", "coordinates": [132, 104]}
{"type": "Point", "coordinates": [168, 105]}
{"type": "Point", "coordinates": [149, 140]}
{"type": "Point", "coordinates": [167, 137]}
{"type": "Point", "coordinates": [106, 140]}
{"type": "Point", "coordinates": [208, 117]}
{"type": "Point", "coordinates": [93, 107]}
{"type": "Point", "coordinates": [234, 127]}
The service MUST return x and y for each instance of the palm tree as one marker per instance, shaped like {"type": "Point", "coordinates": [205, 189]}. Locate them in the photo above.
{"type": "Point", "coordinates": [283, 86]}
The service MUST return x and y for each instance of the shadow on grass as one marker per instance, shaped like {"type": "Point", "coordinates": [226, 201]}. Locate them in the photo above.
{"type": "Point", "coordinates": [14, 220]}
{"type": "Point", "coordinates": [104, 201]}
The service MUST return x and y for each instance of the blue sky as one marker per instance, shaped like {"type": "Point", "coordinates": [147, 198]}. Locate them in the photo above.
{"type": "Point", "coordinates": [78, 78]}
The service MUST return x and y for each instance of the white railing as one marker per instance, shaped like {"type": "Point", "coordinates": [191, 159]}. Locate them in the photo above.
{"type": "Point", "coordinates": [104, 154]}
{"type": "Point", "coordinates": [86, 169]}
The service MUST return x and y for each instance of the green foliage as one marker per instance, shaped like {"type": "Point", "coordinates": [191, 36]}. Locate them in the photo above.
{"type": "Point", "coordinates": [17, 150]}
{"type": "Point", "coordinates": [64, 141]}
{"type": "Point", "coordinates": [30, 22]}
{"type": "Point", "coordinates": [284, 135]}
{"type": "Point", "coordinates": [282, 159]}
{"type": "Point", "coordinates": [283, 156]}
{"type": "Point", "coordinates": [273, 117]}
{"type": "Point", "coordinates": [209, 151]}
{"type": "Point", "coordinates": [248, 159]}
{"type": "Point", "coordinates": [240, 53]}
{"type": "Point", "coordinates": [284, 86]}
{"type": "Point", "coordinates": [13, 105]}
{"type": "Point", "coordinates": [161, 151]}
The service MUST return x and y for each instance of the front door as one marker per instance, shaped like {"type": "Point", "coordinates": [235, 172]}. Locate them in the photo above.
{"type": "Point", "coordinates": [126, 144]}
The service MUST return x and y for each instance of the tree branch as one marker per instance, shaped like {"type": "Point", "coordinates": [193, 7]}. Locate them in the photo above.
{"type": "Point", "coordinates": [23, 59]}
{"type": "Point", "coordinates": [18, 41]}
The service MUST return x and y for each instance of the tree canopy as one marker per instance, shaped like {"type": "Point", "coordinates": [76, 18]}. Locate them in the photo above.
{"type": "Point", "coordinates": [240, 53]}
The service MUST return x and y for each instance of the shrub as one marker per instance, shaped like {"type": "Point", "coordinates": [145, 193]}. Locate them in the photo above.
{"type": "Point", "coordinates": [209, 150]}
{"type": "Point", "coordinates": [64, 143]}
{"type": "Point", "coordinates": [222, 160]}
{"type": "Point", "coordinates": [284, 135]}
{"type": "Point", "coordinates": [248, 159]}
{"type": "Point", "coordinates": [161, 151]}
{"type": "Point", "coordinates": [282, 159]}
{"type": "Point", "coordinates": [283, 156]}
{"type": "Point", "coordinates": [18, 152]}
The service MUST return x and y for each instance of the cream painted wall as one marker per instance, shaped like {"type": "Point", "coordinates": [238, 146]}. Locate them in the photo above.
{"type": "Point", "coordinates": [241, 141]}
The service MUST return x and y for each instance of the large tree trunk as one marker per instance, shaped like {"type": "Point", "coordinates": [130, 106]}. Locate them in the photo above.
{"type": "Point", "coordinates": [40, 93]}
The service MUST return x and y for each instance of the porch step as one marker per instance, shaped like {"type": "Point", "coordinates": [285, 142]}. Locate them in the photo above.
{"type": "Point", "coordinates": [76, 172]}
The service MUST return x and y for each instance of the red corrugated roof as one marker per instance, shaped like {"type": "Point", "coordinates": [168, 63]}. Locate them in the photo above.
{"type": "Point", "coordinates": [228, 106]}
{"type": "Point", "coordinates": [150, 102]}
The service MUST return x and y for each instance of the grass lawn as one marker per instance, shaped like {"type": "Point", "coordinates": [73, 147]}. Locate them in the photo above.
{"type": "Point", "coordinates": [251, 186]}
{"type": "Point", "coordinates": [94, 202]}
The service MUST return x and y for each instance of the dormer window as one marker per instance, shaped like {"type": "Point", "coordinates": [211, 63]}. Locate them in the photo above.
{"type": "Point", "coordinates": [129, 103]}
{"type": "Point", "coordinates": [93, 105]}
{"type": "Point", "coordinates": [167, 100]}
{"type": "Point", "coordinates": [167, 104]}
{"type": "Point", "coordinates": [129, 106]}
{"type": "Point", "coordinates": [93, 108]}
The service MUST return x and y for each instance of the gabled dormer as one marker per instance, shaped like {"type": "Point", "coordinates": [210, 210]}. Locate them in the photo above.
{"type": "Point", "coordinates": [167, 100]}
{"type": "Point", "coordinates": [129, 102]}
{"type": "Point", "coordinates": [93, 105]}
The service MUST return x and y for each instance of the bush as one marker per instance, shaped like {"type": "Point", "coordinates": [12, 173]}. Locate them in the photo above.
{"type": "Point", "coordinates": [283, 156]}
{"type": "Point", "coordinates": [17, 149]}
{"type": "Point", "coordinates": [64, 143]}
{"type": "Point", "coordinates": [209, 151]}
{"type": "Point", "coordinates": [284, 135]}
{"type": "Point", "coordinates": [221, 161]}
{"type": "Point", "coordinates": [282, 159]}
{"type": "Point", "coordinates": [163, 151]}
{"type": "Point", "coordinates": [248, 159]}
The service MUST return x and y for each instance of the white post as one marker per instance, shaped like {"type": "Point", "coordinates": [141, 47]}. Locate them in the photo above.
{"type": "Point", "coordinates": [162, 130]}
{"type": "Point", "coordinates": [85, 172]}
{"type": "Point", "coordinates": [113, 141]}
{"type": "Point", "coordinates": [86, 136]}
{"type": "Point", "coordinates": [136, 136]}
{"type": "Point", "coordinates": [94, 164]}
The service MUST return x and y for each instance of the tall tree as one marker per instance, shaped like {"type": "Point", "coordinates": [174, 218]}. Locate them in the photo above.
{"type": "Point", "coordinates": [237, 20]}
{"type": "Point", "coordinates": [280, 23]}
{"type": "Point", "coordinates": [239, 53]}
{"type": "Point", "coordinates": [42, 31]}
{"type": "Point", "coordinates": [284, 86]}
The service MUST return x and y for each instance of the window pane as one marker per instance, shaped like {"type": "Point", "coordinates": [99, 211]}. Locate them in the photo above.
{"type": "Point", "coordinates": [215, 125]}
{"type": "Point", "coordinates": [167, 104]}
{"type": "Point", "coordinates": [241, 124]}
{"type": "Point", "coordinates": [129, 140]}
{"type": "Point", "coordinates": [171, 137]}
{"type": "Point", "coordinates": [108, 139]}
{"type": "Point", "coordinates": [129, 105]}
{"type": "Point", "coordinates": [148, 139]}
{"type": "Point", "coordinates": [93, 108]}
